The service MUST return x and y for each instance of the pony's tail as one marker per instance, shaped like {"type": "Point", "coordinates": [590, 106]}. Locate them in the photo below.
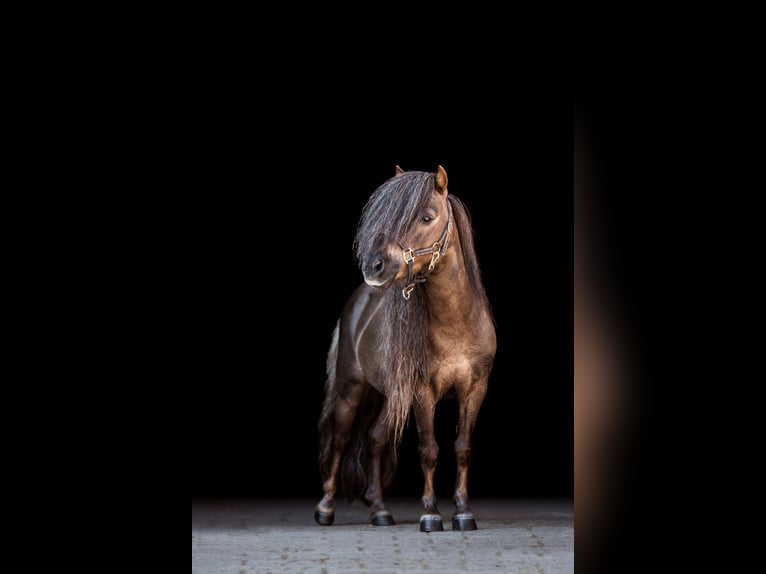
{"type": "Point", "coordinates": [326, 425]}
{"type": "Point", "coordinates": [355, 460]}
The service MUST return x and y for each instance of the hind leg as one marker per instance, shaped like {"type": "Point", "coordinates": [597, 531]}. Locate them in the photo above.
{"type": "Point", "coordinates": [345, 408]}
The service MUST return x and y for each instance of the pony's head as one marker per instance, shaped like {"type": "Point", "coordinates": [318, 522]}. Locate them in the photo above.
{"type": "Point", "coordinates": [404, 228]}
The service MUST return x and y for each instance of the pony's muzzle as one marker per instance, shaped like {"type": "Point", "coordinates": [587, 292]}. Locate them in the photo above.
{"type": "Point", "coordinates": [376, 270]}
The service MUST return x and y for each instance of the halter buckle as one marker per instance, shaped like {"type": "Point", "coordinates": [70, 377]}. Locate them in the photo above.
{"type": "Point", "coordinates": [409, 255]}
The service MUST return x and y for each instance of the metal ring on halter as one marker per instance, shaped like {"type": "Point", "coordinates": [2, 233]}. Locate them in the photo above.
{"type": "Point", "coordinates": [407, 290]}
{"type": "Point", "coordinates": [434, 256]}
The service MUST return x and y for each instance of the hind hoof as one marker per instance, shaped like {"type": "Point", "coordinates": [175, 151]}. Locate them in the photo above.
{"type": "Point", "coordinates": [463, 522]}
{"type": "Point", "coordinates": [382, 518]}
{"type": "Point", "coordinates": [431, 523]}
{"type": "Point", "coordinates": [324, 518]}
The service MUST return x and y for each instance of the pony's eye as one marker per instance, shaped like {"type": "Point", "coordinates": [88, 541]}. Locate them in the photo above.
{"type": "Point", "coordinates": [426, 219]}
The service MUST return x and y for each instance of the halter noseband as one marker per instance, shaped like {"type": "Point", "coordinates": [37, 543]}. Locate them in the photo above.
{"type": "Point", "coordinates": [435, 251]}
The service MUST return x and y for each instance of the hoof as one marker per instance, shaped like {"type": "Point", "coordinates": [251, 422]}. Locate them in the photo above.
{"type": "Point", "coordinates": [431, 523]}
{"type": "Point", "coordinates": [324, 518]}
{"type": "Point", "coordinates": [382, 518]}
{"type": "Point", "coordinates": [463, 522]}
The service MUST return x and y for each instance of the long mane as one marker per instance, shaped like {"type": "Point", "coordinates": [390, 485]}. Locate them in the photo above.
{"type": "Point", "coordinates": [388, 214]}
{"type": "Point", "coordinates": [470, 260]}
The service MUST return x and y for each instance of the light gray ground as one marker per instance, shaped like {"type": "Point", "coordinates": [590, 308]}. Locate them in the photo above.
{"type": "Point", "coordinates": [280, 535]}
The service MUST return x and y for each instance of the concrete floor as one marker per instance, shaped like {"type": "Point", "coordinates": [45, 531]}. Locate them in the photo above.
{"type": "Point", "coordinates": [280, 535]}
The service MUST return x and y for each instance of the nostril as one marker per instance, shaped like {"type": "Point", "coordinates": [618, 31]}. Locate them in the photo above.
{"type": "Point", "coordinates": [374, 267]}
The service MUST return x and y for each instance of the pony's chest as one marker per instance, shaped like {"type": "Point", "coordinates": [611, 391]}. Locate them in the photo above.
{"type": "Point", "coordinates": [454, 360]}
{"type": "Point", "coordinates": [449, 363]}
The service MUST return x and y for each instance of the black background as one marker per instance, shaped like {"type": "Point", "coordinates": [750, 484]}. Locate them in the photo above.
{"type": "Point", "coordinates": [275, 190]}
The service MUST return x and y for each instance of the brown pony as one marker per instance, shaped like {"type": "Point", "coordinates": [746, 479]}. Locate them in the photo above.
{"type": "Point", "coordinates": [418, 330]}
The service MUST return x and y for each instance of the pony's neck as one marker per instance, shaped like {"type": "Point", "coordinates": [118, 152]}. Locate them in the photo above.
{"type": "Point", "coordinates": [447, 288]}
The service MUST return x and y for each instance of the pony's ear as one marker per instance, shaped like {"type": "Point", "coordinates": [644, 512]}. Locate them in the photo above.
{"type": "Point", "coordinates": [441, 180]}
{"type": "Point", "coordinates": [398, 170]}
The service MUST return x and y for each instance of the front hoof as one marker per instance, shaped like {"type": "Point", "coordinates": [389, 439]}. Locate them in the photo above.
{"type": "Point", "coordinates": [431, 523]}
{"type": "Point", "coordinates": [382, 518]}
{"type": "Point", "coordinates": [324, 518]}
{"type": "Point", "coordinates": [463, 522]}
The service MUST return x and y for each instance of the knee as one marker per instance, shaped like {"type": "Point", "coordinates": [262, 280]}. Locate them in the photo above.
{"type": "Point", "coordinates": [429, 454]}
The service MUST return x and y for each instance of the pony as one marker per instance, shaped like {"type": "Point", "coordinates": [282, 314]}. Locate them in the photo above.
{"type": "Point", "coordinates": [418, 330]}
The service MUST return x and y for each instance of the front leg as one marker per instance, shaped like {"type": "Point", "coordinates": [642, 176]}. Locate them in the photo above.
{"type": "Point", "coordinates": [424, 409]}
{"type": "Point", "coordinates": [468, 410]}
{"type": "Point", "coordinates": [378, 438]}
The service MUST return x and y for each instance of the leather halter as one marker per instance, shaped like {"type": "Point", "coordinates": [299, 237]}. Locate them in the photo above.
{"type": "Point", "coordinates": [435, 251]}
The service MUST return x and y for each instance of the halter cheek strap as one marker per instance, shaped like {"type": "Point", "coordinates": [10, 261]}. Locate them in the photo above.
{"type": "Point", "coordinates": [435, 251]}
